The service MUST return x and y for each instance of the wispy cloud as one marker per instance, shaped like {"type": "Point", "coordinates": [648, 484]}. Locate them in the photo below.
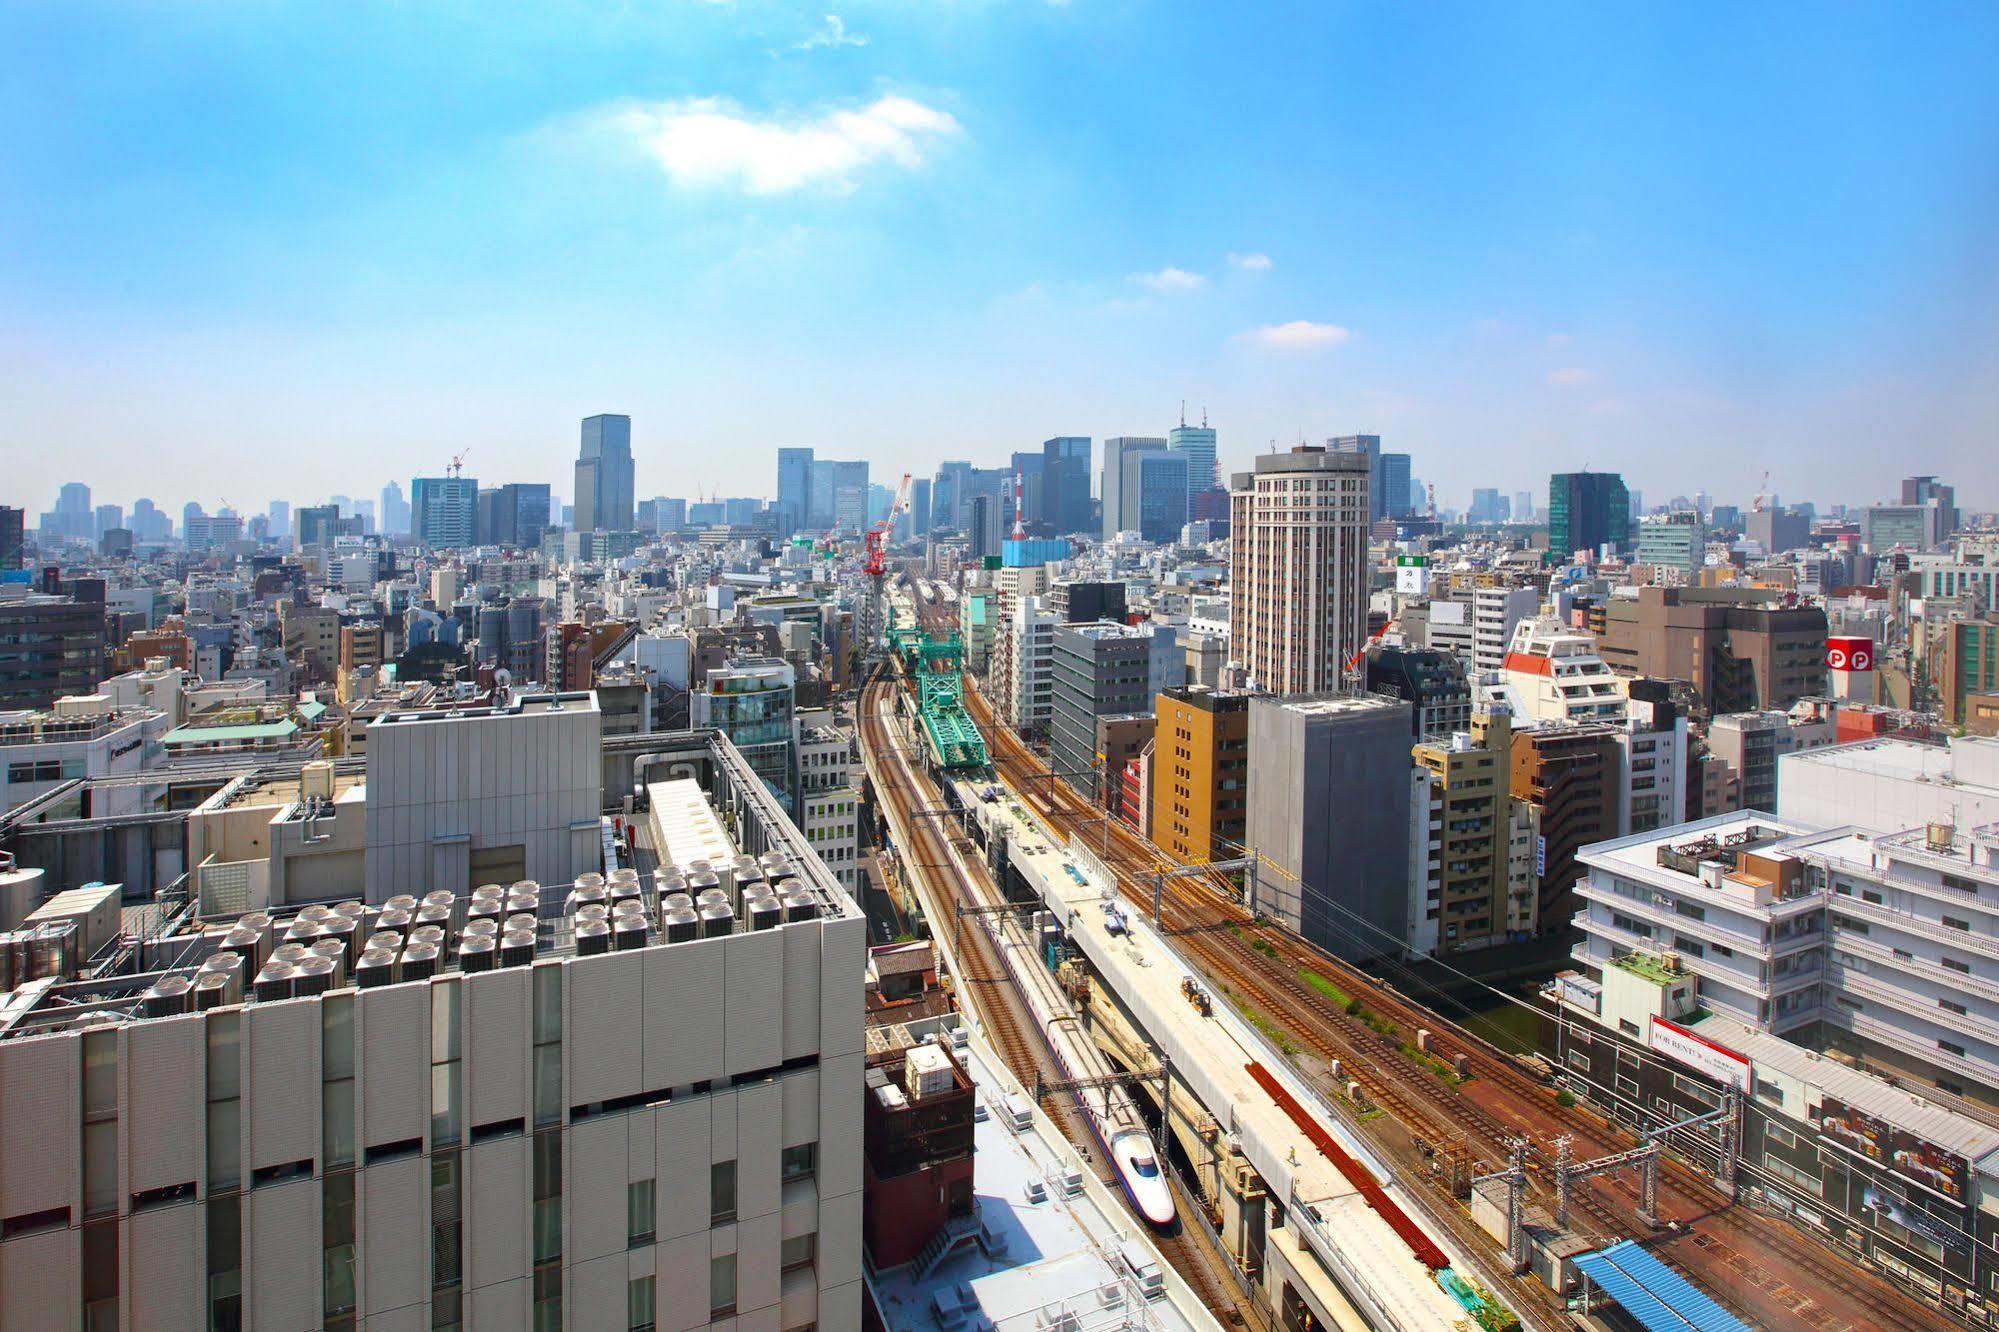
{"type": "Point", "coordinates": [1169, 279]}
{"type": "Point", "coordinates": [1298, 335]}
{"type": "Point", "coordinates": [833, 34]}
{"type": "Point", "coordinates": [1250, 263]}
{"type": "Point", "coordinates": [713, 143]}
{"type": "Point", "coordinates": [1568, 375]}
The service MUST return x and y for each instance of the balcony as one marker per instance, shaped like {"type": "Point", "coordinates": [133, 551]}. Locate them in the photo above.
{"type": "Point", "coordinates": [1922, 967]}
{"type": "Point", "coordinates": [1922, 1008]}
{"type": "Point", "coordinates": [1923, 927]}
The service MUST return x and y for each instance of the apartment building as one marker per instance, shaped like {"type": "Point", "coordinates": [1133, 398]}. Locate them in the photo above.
{"type": "Point", "coordinates": [1570, 775]}
{"type": "Point", "coordinates": [1461, 861]}
{"type": "Point", "coordinates": [405, 1117]}
{"type": "Point", "coordinates": [1200, 773]}
{"type": "Point", "coordinates": [1555, 674]}
{"type": "Point", "coordinates": [829, 769]}
{"type": "Point", "coordinates": [1496, 612]}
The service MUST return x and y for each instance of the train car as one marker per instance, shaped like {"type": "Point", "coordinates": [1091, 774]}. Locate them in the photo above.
{"type": "Point", "coordinates": [1144, 1179]}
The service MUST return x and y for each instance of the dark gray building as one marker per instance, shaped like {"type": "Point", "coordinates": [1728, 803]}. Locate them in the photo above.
{"type": "Point", "coordinates": [1065, 484]}
{"type": "Point", "coordinates": [1432, 681]}
{"type": "Point", "coordinates": [1329, 809]}
{"type": "Point", "coordinates": [50, 647]}
{"type": "Point", "coordinates": [604, 498]}
{"type": "Point", "coordinates": [1086, 603]}
{"type": "Point", "coordinates": [1103, 670]}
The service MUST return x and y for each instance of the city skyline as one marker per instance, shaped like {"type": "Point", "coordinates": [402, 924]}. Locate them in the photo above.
{"type": "Point", "coordinates": [1571, 257]}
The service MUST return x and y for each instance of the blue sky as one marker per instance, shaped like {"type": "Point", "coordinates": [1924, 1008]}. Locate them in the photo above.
{"type": "Point", "coordinates": [265, 250]}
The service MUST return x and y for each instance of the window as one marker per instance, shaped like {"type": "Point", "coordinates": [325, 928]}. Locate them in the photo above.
{"type": "Point", "coordinates": [722, 1285]}
{"type": "Point", "coordinates": [1957, 965]}
{"type": "Point", "coordinates": [1779, 1136]}
{"type": "Point", "coordinates": [547, 1045]}
{"type": "Point", "coordinates": [800, 1162]}
{"type": "Point", "coordinates": [1951, 1048]}
{"type": "Point", "coordinates": [446, 1097]}
{"type": "Point", "coordinates": [1953, 923]}
{"type": "Point", "coordinates": [225, 1263]}
{"type": "Point", "coordinates": [337, 1263]}
{"type": "Point", "coordinates": [639, 1213]}
{"type": "Point", "coordinates": [337, 1086]}
{"type": "Point", "coordinates": [639, 1303]}
{"type": "Point", "coordinates": [1951, 1005]}
{"type": "Point", "coordinates": [798, 1252]}
{"type": "Point", "coordinates": [722, 1203]}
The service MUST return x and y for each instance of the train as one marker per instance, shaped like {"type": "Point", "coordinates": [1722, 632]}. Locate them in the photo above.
{"type": "Point", "coordinates": [1128, 1144]}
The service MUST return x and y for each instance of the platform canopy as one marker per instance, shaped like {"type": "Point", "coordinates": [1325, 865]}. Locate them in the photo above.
{"type": "Point", "coordinates": [1653, 1293]}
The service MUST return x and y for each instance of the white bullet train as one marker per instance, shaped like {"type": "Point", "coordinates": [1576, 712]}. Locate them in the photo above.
{"type": "Point", "coordinates": [1131, 1152]}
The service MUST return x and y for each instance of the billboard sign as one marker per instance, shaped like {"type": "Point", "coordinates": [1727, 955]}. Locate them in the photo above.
{"type": "Point", "coordinates": [1921, 1163]}
{"type": "Point", "coordinates": [1700, 1054]}
{"type": "Point", "coordinates": [1849, 654]}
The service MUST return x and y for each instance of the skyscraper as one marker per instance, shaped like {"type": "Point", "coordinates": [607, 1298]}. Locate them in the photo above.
{"type": "Point", "coordinates": [604, 501]}
{"type": "Point", "coordinates": [794, 489]}
{"type": "Point", "coordinates": [13, 536]}
{"type": "Point", "coordinates": [919, 507]}
{"type": "Point", "coordinates": [1154, 493]}
{"type": "Point", "coordinates": [1031, 503]}
{"type": "Point", "coordinates": [444, 510]}
{"type": "Point", "coordinates": [839, 495]}
{"type": "Point", "coordinates": [1388, 474]}
{"type": "Point", "coordinates": [1116, 501]}
{"type": "Point", "coordinates": [1298, 568]}
{"type": "Point", "coordinates": [1198, 443]}
{"type": "Point", "coordinates": [1587, 510]}
{"type": "Point", "coordinates": [1065, 484]}
{"type": "Point", "coordinates": [395, 511]}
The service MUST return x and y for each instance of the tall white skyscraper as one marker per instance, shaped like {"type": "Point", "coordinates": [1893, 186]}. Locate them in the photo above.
{"type": "Point", "coordinates": [1298, 567]}
{"type": "Point", "coordinates": [1198, 443]}
{"type": "Point", "coordinates": [604, 501]}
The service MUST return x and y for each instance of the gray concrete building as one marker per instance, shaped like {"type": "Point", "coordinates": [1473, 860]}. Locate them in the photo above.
{"type": "Point", "coordinates": [1330, 790]}
{"type": "Point", "coordinates": [1103, 670]}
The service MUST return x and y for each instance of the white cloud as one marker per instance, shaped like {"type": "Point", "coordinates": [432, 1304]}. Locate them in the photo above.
{"type": "Point", "coordinates": [833, 34]}
{"type": "Point", "coordinates": [1559, 339]}
{"type": "Point", "coordinates": [709, 142]}
{"type": "Point", "coordinates": [1169, 279]}
{"type": "Point", "coordinates": [1569, 374]}
{"type": "Point", "coordinates": [1298, 335]}
{"type": "Point", "coordinates": [1250, 263]}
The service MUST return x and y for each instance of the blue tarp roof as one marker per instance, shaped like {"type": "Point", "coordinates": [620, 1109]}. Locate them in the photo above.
{"type": "Point", "coordinates": [1653, 1293]}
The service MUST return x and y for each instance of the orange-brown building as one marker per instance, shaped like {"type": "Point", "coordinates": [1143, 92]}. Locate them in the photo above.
{"type": "Point", "coordinates": [1200, 773]}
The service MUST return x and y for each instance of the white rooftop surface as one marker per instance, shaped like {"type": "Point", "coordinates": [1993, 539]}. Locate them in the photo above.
{"type": "Point", "coordinates": [688, 828]}
{"type": "Point", "coordinates": [1639, 852]}
{"type": "Point", "coordinates": [1061, 1250]}
{"type": "Point", "coordinates": [1212, 1055]}
{"type": "Point", "coordinates": [1976, 1141]}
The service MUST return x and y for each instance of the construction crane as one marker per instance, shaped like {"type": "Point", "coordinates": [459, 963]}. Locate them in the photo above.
{"type": "Point", "coordinates": [1350, 673]}
{"type": "Point", "coordinates": [1762, 494]}
{"type": "Point", "coordinates": [457, 463]}
{"type": "Point", "coordinates": [874, 566]}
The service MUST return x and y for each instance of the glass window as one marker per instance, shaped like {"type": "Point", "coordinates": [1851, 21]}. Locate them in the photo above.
{"type": "Point", "coordinates": [721, 1192]}
{"type": "Point", "coordinates": [639, 1212]}
{"type": "Point", "coordinates": [337, 1237]}
{"type": "Point", "coordinates": [639, 1303]}
{"type": "Point", "coordinates": [801, 1162]}
{"type": "Point", "coordinates": [798, 1252]}
{"type": "Point", "coordinates": [225, 1263]}
{"type": "Point", "coordinates": [547, 1197]}
{"type": "Point", "coordinates": [722, 1285]}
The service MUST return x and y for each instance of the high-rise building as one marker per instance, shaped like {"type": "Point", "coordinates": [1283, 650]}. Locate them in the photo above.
{"type": "Point", "coordinates": [50, 647]}
{"type": "Point", "coordinates": [13, 537]}
{"type": "Point", "coordinates": [1031, 484]}
{"type": "Point", "coordinates": [1523, 506]}
{"type": "Point", "coordinates": [1676, 540]}
{"type": "Point", "coordinates": [1460, 901]}
{"type": "Point", "coordinates": [1967, 665]}
{"type": "Point", "coordinates": [1298, 568]}
{"type": "Point", "coordinates": [1927, 490]}
{"type": "Point", "coordinates": [444, 511]}
{"type": "Point", "coordinates": [839, 496]}
{"type": "Point", "coordinates": [1118, 517]}
{"type": "Point", "coordinates": [1484, 505]}
{"type": "Point", "coordinates": [919, 506]}
{"type": "Point", "coordinates": [1774, 527]}
{"type": "Point", "coordinates": [1388, 475]}
{"type": "Point", "coordinates": [1065, 484]}
{"type": "Point", "coordinates": [604, 483]}
{"type": "Point", "coordinates": [1153, 496]}
{"type": "Point", "coordinates": [1742, 649]}
{"type": "Point", "coordinates": [1102, 670]}
{"type": "Point", "coordinates": [1200, 773]}
{"type": "Point", "coordinates": [515, 514]}
{"type": "Point", "coordinates": [794, 489]}
{"type": "Point", "coordinates": [1496, 612]}
{"type": "Point", "coordinates": [395, 511]}
{"type": "Point", "coordinates": [149, 524]}
{"type": "Point", "coordinates": [1198, 443]}
{"type": "Point", "coordinates": [1586, 511]}
{"type": "Point", "coordinates": [106, 517]}
{"type": "Point", "coordinates": [947, 497]}
{"type": "Point", "coordinates": [1329, 809]}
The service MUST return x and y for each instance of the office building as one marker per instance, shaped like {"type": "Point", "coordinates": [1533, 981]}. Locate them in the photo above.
{"type": "Point", "coordinates": [13, 537]}
{"type": "Point", "coordinates": [1676, 541]}
{"type": "Point", "coordinates": [1889, 527]}
{"type": "Point", "coordinates": [754, 701]}
{"type": "Point", "coordinates": [1065, 484]}
{"type": "Point", "coordinates": [794, 490]}
{"type": "Point", "coordinates": [1495, 613]}
{"type": "Point", "coordinates": [1459, 840]}
{"type": "Point", "coordinates": [1653, 760]}
{"type": "Point", "coordinates": [50, 647]}
{"type": "Point", "coordinates": [1198, 444]}
{"type": "Point", "coordinates": [1523, 506]}
{"type": "Point", "coordinates": [829, 796]}
{"type": "Point", "coordinates": [1102, 670]}
{"type": "Point", "coordinates": [1120, 505]}
{"type": "Point", "coordinates": [1775, 528]}
{"type": "Point", "coordinates": [444, 513]}
{"type": "Point", "coordinates": [395, 511]}
{"type": "Point", "coordinates": [514, 515]}
{"type": "Point", "coordinates": [1023, 658]}
{"type": "Point", "coordinates": [1751, 743]}
{"type": "Point", "coordinates": [1298, 568]}
{"type": "Point", "coordinates": [605, 490]}
{"type": "Point", "coordinates": [1388, 475]}
{"type": "Point", "coordinates": [83, 736]}
{"type": "Point", "coordinates": [550, 1131]}
{"type": "Point", "coordinates": [1431, 681]}
{"type": "Point", "coordinates": [1486, 506]}
{"type": "Point", "coordinates": [1571, 775]}
{"type": "Point", "coordinates": [1743, 649]}
{"type": "Point", "coordinates": [1967, 665]}
{"type": "Point", "coordinates": [839, 496]}
{"type": "Point", "coordinates": [1200, 774]}
{"type": "Point", "coordinates": [1587, 511]}
{"type": "Point", "coordinates": [1330, 794]}
{"type": "Point", "coordinates": [1086, 603]}
{"type": "Point", "coordinates": [919, 507]}
{"type": "Point", "coordinates": [1153, 495]}
{"type": "Point", "coordinates": [1892, 784]}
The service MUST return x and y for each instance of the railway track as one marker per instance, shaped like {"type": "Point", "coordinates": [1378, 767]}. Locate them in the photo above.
{"type": "Point", "coordinates": [1734, 1244]}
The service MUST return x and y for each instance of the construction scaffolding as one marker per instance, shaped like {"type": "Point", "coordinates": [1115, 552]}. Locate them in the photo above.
{"type": "Point", "coordinates": [934, 664]}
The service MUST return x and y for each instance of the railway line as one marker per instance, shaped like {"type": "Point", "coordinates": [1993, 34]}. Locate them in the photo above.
{"type": "Point", "coordinates": [990, 990]}
{"type": "Point", "coordinates": [1730, 1246]}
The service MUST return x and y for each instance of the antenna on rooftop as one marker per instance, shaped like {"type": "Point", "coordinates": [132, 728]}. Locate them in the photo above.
{"type": "Point", "coordinates": [1183, 413]}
